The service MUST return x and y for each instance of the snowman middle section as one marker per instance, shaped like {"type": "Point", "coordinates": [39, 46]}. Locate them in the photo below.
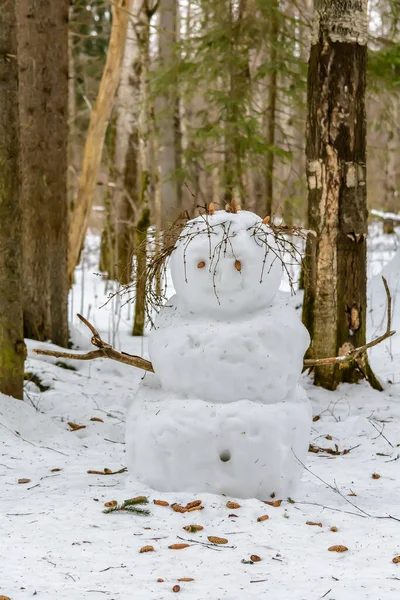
{"type": "Point", "coordinates": [224, 413]}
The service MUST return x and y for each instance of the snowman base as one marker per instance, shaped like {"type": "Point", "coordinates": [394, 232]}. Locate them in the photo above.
{"type": "Point", "coordinates": [242, 449]}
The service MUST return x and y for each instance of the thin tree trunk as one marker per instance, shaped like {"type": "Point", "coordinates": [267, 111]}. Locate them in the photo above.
{"type": "Point", "coordinates": [57, 135]}
{"type": "Point", "coordinates": [335, 278]}
{"type": "Point", "coordinates": [238, 89]}
{"type": "Point", "coordinates": [12, 347]}
{"type": "Point", "coordinates": [271, 108]}
{"type": "Point", "coordinates": [73, 163]}
{"type": "Point", "coordinates": [391, 193]}
{"type": "Point", "coordinates": [97, 129]}
{"type": "Point", "coordinates": [168, 118]}
{"type": "Point", "coordinates": [142, 26]}
{"type": "Point", "coordinates": [43, 105]}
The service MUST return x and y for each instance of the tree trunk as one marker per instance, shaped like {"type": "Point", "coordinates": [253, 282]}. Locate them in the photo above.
{"type": "Point", "coordinates": [97, 129]}
{"type": "Point", "coordinates": [391, 193]}
{"type": "Point", "coordinates": [43, 105]}
{"type": "Point", "coordinates": [118, 236]}
{"type": "Point", "coordinates": [238, 92]}
{"type": "Point", "coordinates": [73, 147]}
{"type": "Point", "coordinates": [168, 118]}
{"type": "Point", "coordinates": [12, 347]}
{"type": "Point", "coordinates": [335, 278]}
{"type": "Point", "coordinates": [142, 25]}
{"type": "Point", "coordinates": [271, 108]}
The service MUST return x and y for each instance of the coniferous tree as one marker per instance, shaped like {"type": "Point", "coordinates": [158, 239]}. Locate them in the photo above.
{"type": "Point", "coordinates": [43, 109]}
{"type": "Point", "coordinates": [12, 347]}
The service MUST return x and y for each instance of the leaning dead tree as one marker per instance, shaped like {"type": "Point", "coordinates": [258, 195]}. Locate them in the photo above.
{"type": "Point", "coordinates": [97, 129]}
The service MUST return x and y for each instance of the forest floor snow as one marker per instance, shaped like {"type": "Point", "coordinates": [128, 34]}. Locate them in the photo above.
{"type": "Point", "coordinates": [56, 542]}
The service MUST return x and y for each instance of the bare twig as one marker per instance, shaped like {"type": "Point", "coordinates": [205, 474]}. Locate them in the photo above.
{"type": "Point", "coordinates": [335, 489]}
{"type": "Point", "coordinates": [104, 351]}
{"type": "Point", "coordinates": [356, 353]}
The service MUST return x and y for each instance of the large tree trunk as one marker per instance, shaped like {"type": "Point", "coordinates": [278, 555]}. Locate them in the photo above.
{"type": "Point", "coordinates": [118, 237]}
{"type": "Point", "coordinates": [97, 129]}
{"type": "Point", "coordinates": [43, 104]}
{"type": "Point", "coordinates": [168, 118]}
{"type": "Point", "coordinates": [12, 347]}
{"type": "Point", "coordinates": [335, 278]}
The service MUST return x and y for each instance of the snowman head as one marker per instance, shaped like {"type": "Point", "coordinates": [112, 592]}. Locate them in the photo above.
{"type": "Point", "coordinates": [226, 263]}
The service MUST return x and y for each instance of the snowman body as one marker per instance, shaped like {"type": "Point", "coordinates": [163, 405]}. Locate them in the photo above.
{"type": "Point", "coordinates": [224, 412]}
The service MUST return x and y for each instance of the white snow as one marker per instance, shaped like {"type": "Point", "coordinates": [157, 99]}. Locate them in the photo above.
{"type": "Point", "coordinates": [203, 264]}
{"type": "Point", "coordinates": [232, 372]}
{"type": "Point", "coordinates": [255, 356]}
{"type": "Point", "coordinates": [243, 449]}
{"type": "Point", "coordinates": [56, 544]}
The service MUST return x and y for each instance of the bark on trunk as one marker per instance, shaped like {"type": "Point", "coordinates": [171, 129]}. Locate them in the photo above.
{"type": "Point", "coordinates": [391, 193]}
{"type": "Point", "coordinates": [97, 129]}
{"type": "Point", "coordinates": [73, 149]}
{"type": "Point", "coordinates": [335, 278]}
{"type": "Point", "coordinates": [271, 109]}
{"type": "Point", "coordinates": [168, 118]}
{"type": "Point", "coordinates": [43, 105]}
{"type": "Point", "coordinates": [118, 236]}
{"type": "Point", "coordinates": [144, 14]}
{"type": "Point", "coordinates": [12, 347]}
{"type": "Point", "coordinates": [238, 87]}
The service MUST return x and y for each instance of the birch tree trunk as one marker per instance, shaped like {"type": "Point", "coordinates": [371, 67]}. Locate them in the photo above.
{"type": "Point", "coordinates": [97, 129]}
{"type": "Point", "coordinates": [12, 347]}
{"type": "Point", "coordinates": [43, 109]}
{"type": "Point", "coordinates": [118, 236]}
{"type": "Point", "coordinates": [168, 118]}
{"type": "Point", "coordinates": [335, 303]}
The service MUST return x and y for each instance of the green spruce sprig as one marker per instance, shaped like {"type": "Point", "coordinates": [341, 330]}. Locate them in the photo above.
{"type": "Point", "coordinates": [130, 505]}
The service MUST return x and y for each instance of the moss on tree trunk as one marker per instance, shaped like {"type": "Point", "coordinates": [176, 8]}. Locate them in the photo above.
{"type": "Point", "coordinates": [12, 347]}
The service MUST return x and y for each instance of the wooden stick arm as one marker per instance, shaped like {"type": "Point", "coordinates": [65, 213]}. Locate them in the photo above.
{"type": "Point", "coordinates": [105, 350]}
{"type": "Point", "coordinates": [357, 352]}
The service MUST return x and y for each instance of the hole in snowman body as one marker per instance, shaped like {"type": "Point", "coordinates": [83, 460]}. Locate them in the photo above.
{"type": "Point", "coordinates": [225, 455]}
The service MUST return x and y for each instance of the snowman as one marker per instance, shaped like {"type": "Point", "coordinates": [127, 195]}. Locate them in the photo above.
{"type": "Point", "coordinates": [223, 413]}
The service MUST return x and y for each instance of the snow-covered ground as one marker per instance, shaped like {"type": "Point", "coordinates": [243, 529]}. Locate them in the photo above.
{"type": "Point", "coordinates": [56, 542]}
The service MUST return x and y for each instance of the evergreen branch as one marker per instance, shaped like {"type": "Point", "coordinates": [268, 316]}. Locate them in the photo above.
{"type": "Point", "coordinates": [130, 505]}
